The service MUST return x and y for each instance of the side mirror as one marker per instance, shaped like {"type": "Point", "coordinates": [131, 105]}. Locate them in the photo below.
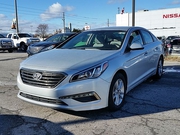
{"type": "Point", "coordinates": [15, 37]}
{"type": "Point", "coordinates": [136, 46]}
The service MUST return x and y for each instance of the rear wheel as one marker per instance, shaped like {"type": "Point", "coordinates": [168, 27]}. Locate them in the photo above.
{"type": "Point", "coordinates": [159, 70]}
{"type": "Point", "coordinates": [23, 47]}
{"type": "Point", "coordinates": [117, 92]}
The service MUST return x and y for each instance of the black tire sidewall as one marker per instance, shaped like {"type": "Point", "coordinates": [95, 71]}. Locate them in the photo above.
{"type": "Point", "coordinates": [10, 51]}
{"type": "Point", "coordinates": [158, 76]}
{"type": "Point", "coordinates": [111, 105]}
{"type": "Point", "coordinates": [23, 47]}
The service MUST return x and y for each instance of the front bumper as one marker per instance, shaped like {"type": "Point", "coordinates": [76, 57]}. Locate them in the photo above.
{"type": "Point", "coordinates": [8, 48]}
{"type": "Point", "coordinates": [77, 96]}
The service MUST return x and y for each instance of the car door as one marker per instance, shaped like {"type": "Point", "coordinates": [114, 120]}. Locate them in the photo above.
{"type": "Point", "coordinates": [152, 48]}
{"type": "Point", "coordinates": [136, 63]}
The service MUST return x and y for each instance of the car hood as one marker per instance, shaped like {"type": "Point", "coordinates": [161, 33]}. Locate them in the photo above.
{"type": "Point", "coordinates": [64, 59]}
{"type": "Point", "coordinates": [5, 39]}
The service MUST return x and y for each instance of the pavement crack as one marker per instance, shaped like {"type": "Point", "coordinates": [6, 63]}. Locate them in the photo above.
{"type": "Point", "coordinates": [12, 58]}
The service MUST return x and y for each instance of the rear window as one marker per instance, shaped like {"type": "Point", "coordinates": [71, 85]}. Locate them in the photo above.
{"type": "Point", "coordinates": [176, 42]}
{"type": "Point", "coordinates": [24, 35]}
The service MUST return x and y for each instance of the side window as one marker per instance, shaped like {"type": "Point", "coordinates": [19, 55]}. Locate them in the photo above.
{"type": "Point", "coordinates": [135, 38]}
{"type": "Point", "coordinates": [9, 36]}
{"type": "Point", "coordinates": [155, 38]}
{"type": "Point", "coordinates": [147, 37]}
{"type": "Point", "coordinates": [15, 36]}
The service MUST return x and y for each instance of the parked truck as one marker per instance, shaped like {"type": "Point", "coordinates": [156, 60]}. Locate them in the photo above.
{"type": "Point", "coordinates": [6, 44]}
{"type": "Point", "coordinates": [22, 40]}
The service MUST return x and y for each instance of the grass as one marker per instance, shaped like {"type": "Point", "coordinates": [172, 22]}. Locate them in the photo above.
{"type": "Point", "coordinates": [172, 58]}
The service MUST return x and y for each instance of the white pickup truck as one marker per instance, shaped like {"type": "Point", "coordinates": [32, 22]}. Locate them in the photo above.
{"type": "Point", "coordinates": [22, 40]}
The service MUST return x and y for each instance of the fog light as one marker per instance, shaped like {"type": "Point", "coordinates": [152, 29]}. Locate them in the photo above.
{"type": "Point", "coordinates": [83, 97]}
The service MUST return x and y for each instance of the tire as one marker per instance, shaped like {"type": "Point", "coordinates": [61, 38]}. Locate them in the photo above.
{"type": "Point", "coordinates": [10, 51]}
{"type": "Point", "coordinates": [23, 47]}
{"type": "Point", "coordinates": [159, 69]}
{"type": "Point", "coordinates": [117, 92]}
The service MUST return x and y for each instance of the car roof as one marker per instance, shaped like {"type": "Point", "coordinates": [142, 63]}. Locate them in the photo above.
{"type": "Point", "coordinates": [68, 33]}
{"type": "Point", "coordinates": [124, 28]}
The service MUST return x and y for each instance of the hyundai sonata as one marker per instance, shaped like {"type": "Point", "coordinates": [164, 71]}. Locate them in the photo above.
{"type": "Point", "coordinates": [95, 69]}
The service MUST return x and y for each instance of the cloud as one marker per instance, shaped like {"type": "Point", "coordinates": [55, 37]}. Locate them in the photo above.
{"type": "Point", "coordinates": [55, 11]}
{"type": "Point", "coordinates": [175, 2]}
{"type": "Point", "coordinates": [115, 1]}
{"type": "Point", "coordinates": [5, 24]}
{"type": "Point", "coordinates": [2, 16]}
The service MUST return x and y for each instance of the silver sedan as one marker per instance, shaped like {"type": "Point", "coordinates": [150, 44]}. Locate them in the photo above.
{"type": "Point", "coordinates": [94, 70]}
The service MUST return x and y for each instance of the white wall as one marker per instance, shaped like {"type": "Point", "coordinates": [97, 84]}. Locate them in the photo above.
{"type": "Point", "coordinates": [154, 21]}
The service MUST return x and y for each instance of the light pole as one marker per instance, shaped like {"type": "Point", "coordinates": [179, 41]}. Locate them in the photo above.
{"type": "Point", "coordinates": [64, 22]}
{"type": "Point", "coordinates": [31, 28]}
{"type": "Point", "coordinates": [15, 4]}
{"type": "Point", "coordinates": [133, 12]}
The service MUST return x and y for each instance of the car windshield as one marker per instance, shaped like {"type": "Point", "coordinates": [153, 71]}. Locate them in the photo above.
{"type": "Point", "coordinates": [58, 38]}
{"type": "Point", "coordinates": [24, 35]}
{"type": "Point", "coordinates": [103, 40]}
{"type": "Point", "coordinates": [1, 36]}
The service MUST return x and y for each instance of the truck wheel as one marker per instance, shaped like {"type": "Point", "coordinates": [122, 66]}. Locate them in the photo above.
{"type": "Point", "coordinates": [10, 51]}
{"type": "Point", "coordinates": [23, 47]}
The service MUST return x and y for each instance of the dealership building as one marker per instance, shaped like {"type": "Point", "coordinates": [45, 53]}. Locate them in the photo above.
{"type": "Point", "coordinates": [162, 22]}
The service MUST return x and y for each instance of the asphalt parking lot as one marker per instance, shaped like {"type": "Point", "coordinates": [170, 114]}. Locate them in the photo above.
{"type": "Point", "coordinates": [152, 108]}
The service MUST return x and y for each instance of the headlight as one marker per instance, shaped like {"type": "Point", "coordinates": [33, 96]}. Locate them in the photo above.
{"type": "Point", "coordinates": [28, 41]}
{"type": "Point", "coordinates": [12, 43]}
{"type": "Point", "coordinates": [48, 48]}
{"type": "Point", "coordinates": [90, 73]}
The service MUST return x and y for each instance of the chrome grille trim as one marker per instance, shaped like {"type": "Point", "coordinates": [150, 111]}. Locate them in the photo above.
{"type": "Point", "coordinates": [48, 79]}
{"type": "Point", "coordinates": [41, 99]}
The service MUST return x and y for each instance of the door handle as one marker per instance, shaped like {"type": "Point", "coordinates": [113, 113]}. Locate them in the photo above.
{"type": "Point", "coordinates": [146, 53]}
{"type": "Point", "coordinates": [156, 49]}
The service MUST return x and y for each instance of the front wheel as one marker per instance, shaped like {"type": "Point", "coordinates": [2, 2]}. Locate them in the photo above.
{"type": "Point", "coordinates": [117, 92]}
{"type": "Point", "coordinates": [10, 50]}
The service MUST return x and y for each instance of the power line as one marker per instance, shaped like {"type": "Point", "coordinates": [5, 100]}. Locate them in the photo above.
{"type": "Point", "coordinates": [31, 11]}
{"type": "Point", "coordinates": [27, 11]}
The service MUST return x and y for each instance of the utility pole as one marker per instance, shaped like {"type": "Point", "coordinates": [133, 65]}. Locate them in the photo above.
{"type": "Point", "coordinates": [108, 22]}
{"type": "Point", "coordinates": [118, 10]}
{"type": "Point", "coordinates": [64, 22]}
{"type": "Point", "coordinates": [133, 12]}
{"type": "Point", "coordinates": [17, 28]}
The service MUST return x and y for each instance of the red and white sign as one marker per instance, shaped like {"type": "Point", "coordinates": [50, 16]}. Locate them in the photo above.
{"type": "Point", "coordinates": [176, 15]}
{"type": "Point", "coordinates": [87, 27]}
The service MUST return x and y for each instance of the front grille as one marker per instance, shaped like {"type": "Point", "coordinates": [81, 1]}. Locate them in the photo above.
{"type": "Point", "coordinates": [6, 43]}
{"type": "Point", "coordinates": [41, 78]}
{"type": "Point", "coordinates": [45, 100]}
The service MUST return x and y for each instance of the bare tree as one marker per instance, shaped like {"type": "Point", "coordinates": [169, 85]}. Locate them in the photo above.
{"type": "Point", "coordinates": [42, 30]}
